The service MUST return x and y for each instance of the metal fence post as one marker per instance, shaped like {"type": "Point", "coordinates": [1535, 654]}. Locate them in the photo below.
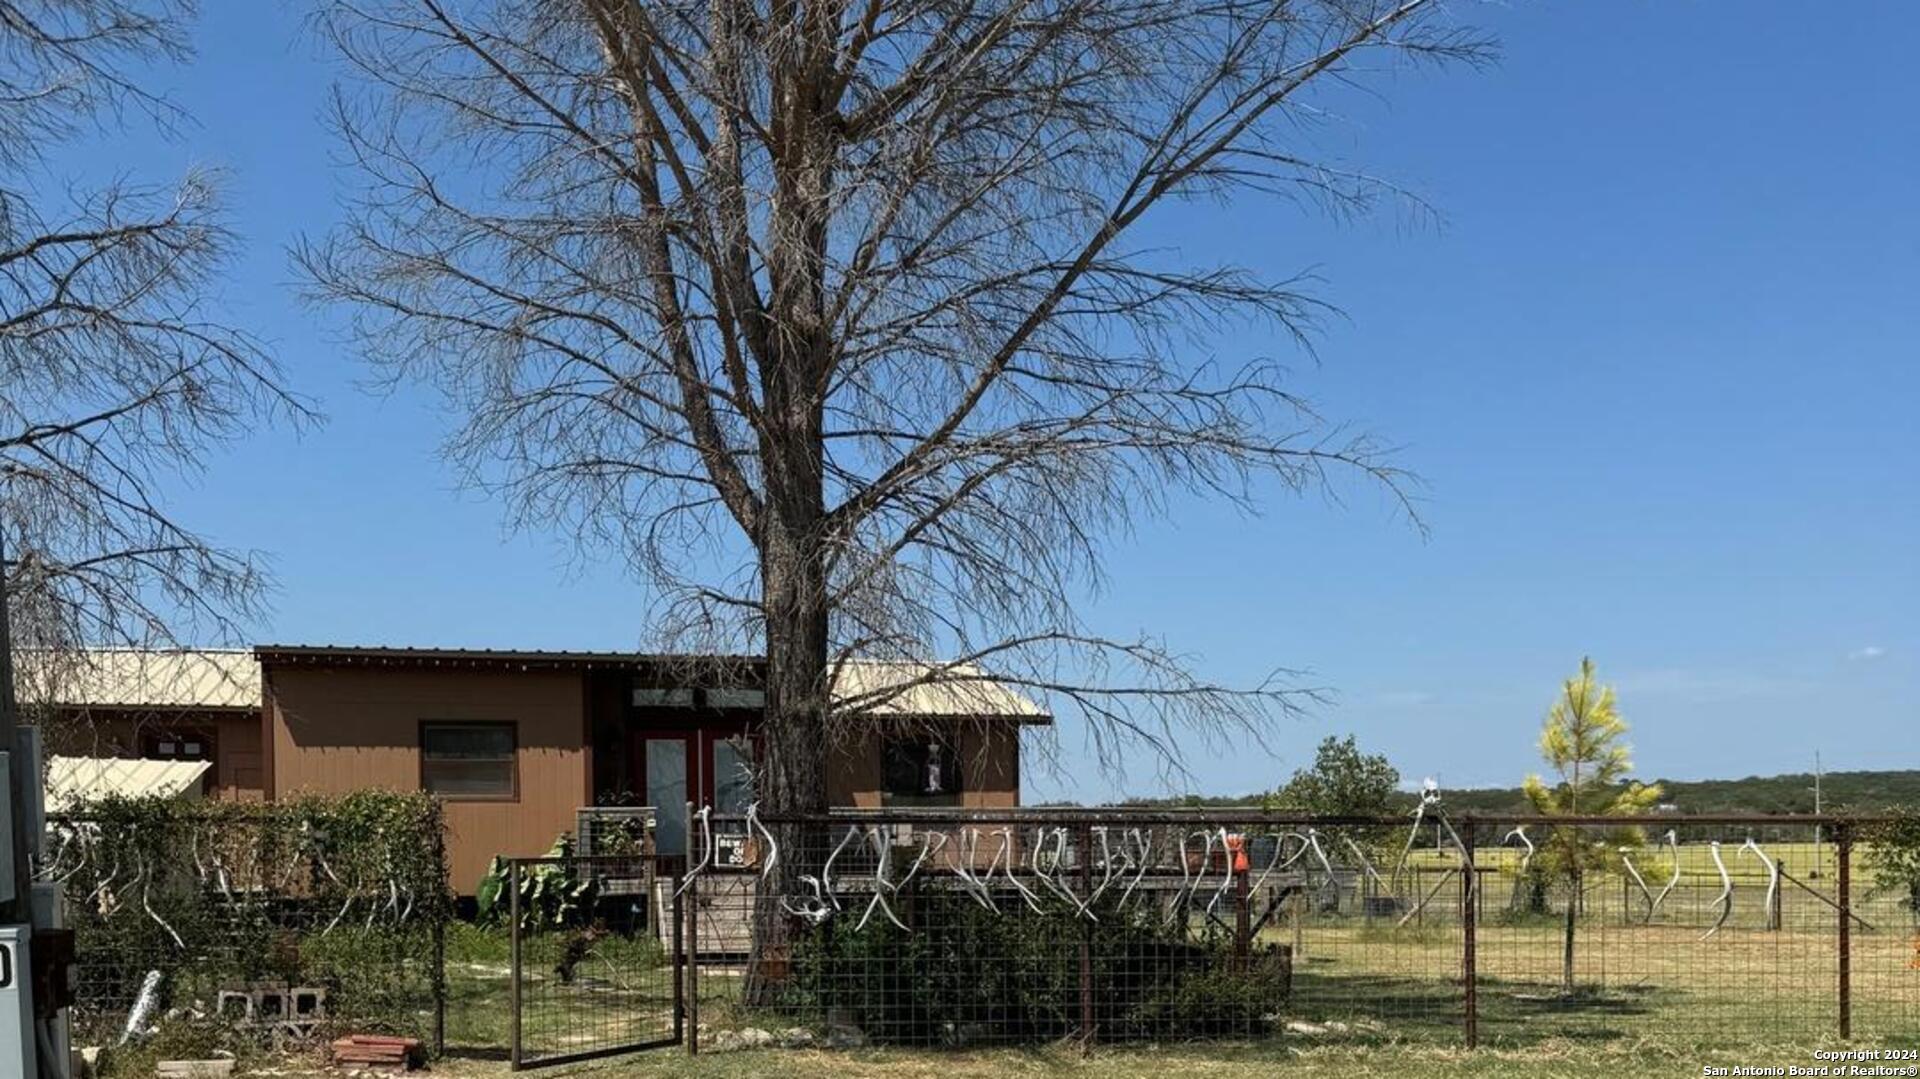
{"type": "Point", "coordinates": [1470, 945]}
{"type": "Point", "coordinates": [439, 984]}
{"type": "Point", "coordinates": [1779, 911]}
{"type": "Point", "coordinates": [441, 913]}
{"type": "Point", "coordinates": [513, 963]}
{"type": "Point", "coordinates": [692, 888]}
{"type": "Point", "coordinates": [1086, 941]}
{"type": "Point", "coordinates": [679, 952]}
{"type": "Point", "coordinates": [1294, 902]}
{"type": "Point", "coordinates": [1843, 844]}
{"type": "Point", "coordinates": [1243, 914]}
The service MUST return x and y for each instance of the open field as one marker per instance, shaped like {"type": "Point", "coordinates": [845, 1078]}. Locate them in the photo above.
{"type": "Point", "coordinates": [1634, 981]}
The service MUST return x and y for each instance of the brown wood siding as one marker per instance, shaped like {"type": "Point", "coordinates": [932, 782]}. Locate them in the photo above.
{"type": "Point", "coordinates": [990, 755]}
{"type": "Point", "coordinates": [238, 772]}
{"type": "Point", "coordinates": [337, 730]}
{"type": "Point", "coordinates": [853, 773]}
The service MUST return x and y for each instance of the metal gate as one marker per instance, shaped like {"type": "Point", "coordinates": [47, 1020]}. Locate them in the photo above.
{"type": "Point", "coordinates": [596, 962]}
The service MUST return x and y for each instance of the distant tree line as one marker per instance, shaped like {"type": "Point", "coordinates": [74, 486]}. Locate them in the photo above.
{"type": "Point", "coordinates": [1860, 792]}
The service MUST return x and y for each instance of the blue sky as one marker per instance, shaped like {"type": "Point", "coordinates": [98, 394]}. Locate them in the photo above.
{"type": "Point", "coordinates": [1654, 362]}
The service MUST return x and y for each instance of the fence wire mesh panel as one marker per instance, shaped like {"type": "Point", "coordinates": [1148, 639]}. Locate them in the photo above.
{"type": "Point", "coordinates": [239, 927]}
{"type": "Point", "coordinates": [595, 956]}
{"type": "Point", "coordinates": [980, 929]}
{"type": "Point", "coordinates": [1717, 932]}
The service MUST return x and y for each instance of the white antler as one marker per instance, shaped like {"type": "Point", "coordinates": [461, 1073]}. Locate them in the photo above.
{"type": "Point", "coordinates": [1726, 891]}
{"type": "Point", "coordinates": [883, 859]}
{"type": "Point", "coordinates": [1365, 865]}
{"type": "Point", "coordinates": [1006, 845]}
{"type": "Point", "coordinates": [773, 845]}
{"type": "Point", "coordinates": [705, 817]}
{"type": "Point", "coordinates": [1145, 843]}
{"type": "Point", "coordinates": [966, 853]}
{"type": "Point", "coordinates": [1226, 879]}
{"type": "Point", "coordinates": [1773, 876]}
{"type": "Point", "coordinates": [1278, 862]}
{"type": "Point", "coordinates": [1626, 861]}
{"type": "Point", "coordinates": [826, 871]}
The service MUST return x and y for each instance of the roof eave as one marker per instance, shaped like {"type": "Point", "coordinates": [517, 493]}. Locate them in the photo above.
{"type": "Point", "coordinates": [487, 659]}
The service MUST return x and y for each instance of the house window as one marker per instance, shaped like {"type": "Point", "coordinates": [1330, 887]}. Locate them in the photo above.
{"type": "Point", "coordinates": [920, 767]}
{"type": "Point", "coordinates": [177, 746]}
{"type": "Point", "coordinates": [468, 760]}
{"type": "Point", "coordinates": [651, 697]}
{"type": "Point", "coordinates": [189, 746]}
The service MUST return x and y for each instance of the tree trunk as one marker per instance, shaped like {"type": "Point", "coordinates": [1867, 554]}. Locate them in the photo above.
{"type": "Point", "coordinates": [792, 540]}
{"type": "Point", "coordinates": [1566, 959]}
{"type": "Point", "coordinates": [794, 736]}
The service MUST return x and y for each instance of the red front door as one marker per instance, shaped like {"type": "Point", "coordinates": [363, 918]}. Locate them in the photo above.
{"type": "Point", "coordinates": [708, 764]}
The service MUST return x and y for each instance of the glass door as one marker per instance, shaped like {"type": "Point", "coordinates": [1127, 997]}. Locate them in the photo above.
{"type": "Point", "coordinates": [732, 774]}
{"type": "Point", "coordinates": [708, 765]}
{"type": "Point", "coordinates": [665, 766]}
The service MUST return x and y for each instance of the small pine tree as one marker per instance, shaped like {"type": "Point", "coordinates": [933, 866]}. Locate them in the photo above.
{"type": "Point", "coordinates": [1584, 742]}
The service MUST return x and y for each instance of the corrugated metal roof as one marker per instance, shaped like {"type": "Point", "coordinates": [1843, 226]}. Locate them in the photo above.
{"type": "Point", "coordinates": [85, 779]}
{"type": "Point", "coordinates": [171, 678]}
{"type": "Point", "coordinates": [212, 678]}
{"type": "Point", "coordinates": [494, 658]}
{"type": "Point", "coordinates": [929, 690]}
{"type": "Point", "coordinates": [883, 687]}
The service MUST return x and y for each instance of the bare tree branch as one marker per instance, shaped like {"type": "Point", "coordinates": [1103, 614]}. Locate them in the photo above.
{"type": "Point", "coordinates": [113, 378]}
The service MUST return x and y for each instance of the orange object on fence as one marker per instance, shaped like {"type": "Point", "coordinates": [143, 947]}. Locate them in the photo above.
{"type": "Point", "coordinates": [1238, 845]}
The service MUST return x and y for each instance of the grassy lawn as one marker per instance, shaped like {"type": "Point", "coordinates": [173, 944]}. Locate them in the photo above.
{"type": "Point", "coordinates": [1654, 1000]}
{"type": "Point", "coordinates": [1659, 983]}
{"type": "Point", "coordinates": [1551, 1059]}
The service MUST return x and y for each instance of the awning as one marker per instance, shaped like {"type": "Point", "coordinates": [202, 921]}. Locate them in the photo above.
{"type": "Point", "coordinates": [71, 780]}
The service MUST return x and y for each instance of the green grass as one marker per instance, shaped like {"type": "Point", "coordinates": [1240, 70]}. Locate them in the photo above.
{"type": "Point", "coordinates": [1659, 982]}
{"type": "Point", "coordinates": [1655, 1000]}
{"type": "Point", "coordinates": [1551, 1060]}
{"type": "Point", "coordinates": [612, 989]}
{"type": "Point", "coordinates": [1652, 998]}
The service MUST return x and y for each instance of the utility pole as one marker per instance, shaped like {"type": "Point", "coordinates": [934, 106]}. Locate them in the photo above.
{"type": "Point", "coordinates": [16, 910]}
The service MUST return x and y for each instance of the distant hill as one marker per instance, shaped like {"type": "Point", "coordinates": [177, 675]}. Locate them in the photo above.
{"type": "Point", "coordinates": [1863, 792]}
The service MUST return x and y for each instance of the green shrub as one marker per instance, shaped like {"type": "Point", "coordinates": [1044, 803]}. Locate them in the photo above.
{"type": "Point", "coordinates": [1017, 972]}
{"type": "Point", "coordinates": [1893, 855]}
{"type": "Point", "coordinates": [344, 894]}
{"type": "Point", "coordinates": [552, 896]}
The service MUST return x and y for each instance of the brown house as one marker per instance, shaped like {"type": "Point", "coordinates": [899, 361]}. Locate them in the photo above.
{"type": "Point", "coordinates": [516, 742]}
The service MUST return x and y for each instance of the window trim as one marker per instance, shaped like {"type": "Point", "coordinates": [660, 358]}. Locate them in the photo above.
{"type": "Point", "coordinates": [512, 727]}
{"type": "Point", "coordinates": [149, 750]}
{"type": "Point", "coordinates": [150, 743]}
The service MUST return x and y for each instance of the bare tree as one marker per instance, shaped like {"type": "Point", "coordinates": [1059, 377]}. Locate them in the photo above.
{"type": "Point", "coordinates": [831, 318]}
{"type": "Point", "coordinates": [114, 378]}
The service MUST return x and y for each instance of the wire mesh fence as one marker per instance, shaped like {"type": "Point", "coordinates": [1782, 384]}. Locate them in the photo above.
{"type": "Point", "coordinates": [974, 929]}
{"type": "Point", "coordinates": [235, 927]}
